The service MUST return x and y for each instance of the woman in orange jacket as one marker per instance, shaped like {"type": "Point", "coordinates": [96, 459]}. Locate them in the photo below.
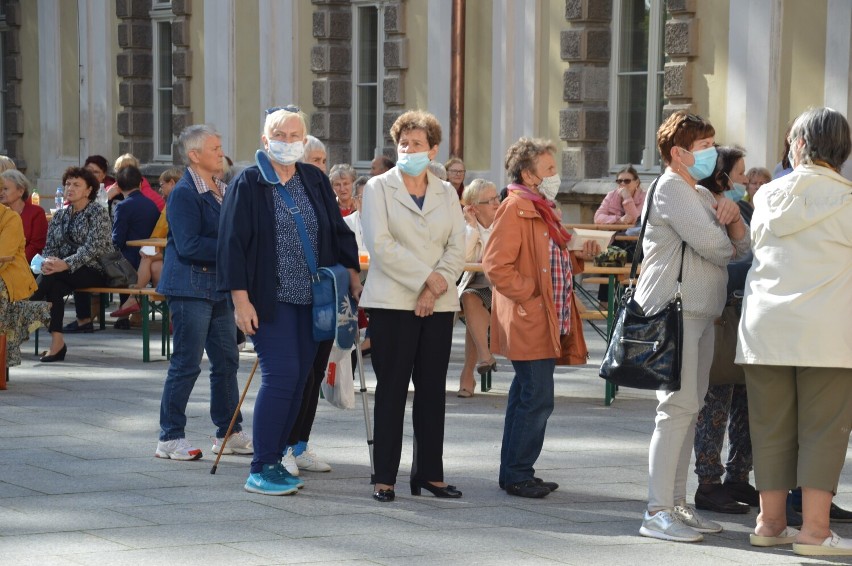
{"type": "Point", "coordinates": [528, 261]}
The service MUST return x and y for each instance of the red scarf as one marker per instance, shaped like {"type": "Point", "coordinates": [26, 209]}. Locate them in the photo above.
{"type": "Point", "coordinates": [548, 213]}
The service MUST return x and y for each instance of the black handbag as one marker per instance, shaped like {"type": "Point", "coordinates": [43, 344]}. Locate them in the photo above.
{"type": "Point", "coordinates": [119, 272]}
{"type": "Point", "coordinates": [644, 352]}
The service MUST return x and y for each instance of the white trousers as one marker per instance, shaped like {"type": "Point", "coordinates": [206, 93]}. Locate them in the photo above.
{"type": "Point", "coordinates": [677, 412]}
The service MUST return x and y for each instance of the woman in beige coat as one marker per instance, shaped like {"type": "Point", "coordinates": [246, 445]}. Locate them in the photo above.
{"type": "Point", "coordinates": [794, 335]}
{"type": "Point", "coordinates": [414, 231]}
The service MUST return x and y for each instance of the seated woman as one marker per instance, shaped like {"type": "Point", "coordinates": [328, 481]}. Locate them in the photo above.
{"type": "Point", "coordinates": [114, 193]}
{"type": "Point", "coordinates": [14, 193]}
{"type": "Point", "coordinates": [455, 174]}
{"type": "Point", "coordinates": [315, 154]}
{"type": "Point", "coordinates": [17, 315]}
{"type": "Point", "coordinates": [757, 177]}
{"type": "Point", "coordinates": [480, 202]}
{"type": "Point", "coordinates": [97, 165]}
{"type": "Point", "coordinates": [151, 264]}
{"type": "Point", "coordinates": [77, 236]}
{"type": "Point", "coordinates": [342, 177]}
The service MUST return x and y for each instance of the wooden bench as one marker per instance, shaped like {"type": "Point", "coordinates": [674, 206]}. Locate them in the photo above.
{"type": "Point", "coordinates": [150, 301]}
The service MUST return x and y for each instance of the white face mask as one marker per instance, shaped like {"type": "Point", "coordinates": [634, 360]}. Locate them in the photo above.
{"type": "Point", "coordinates": [285, 153]}
{"type": "Point", "coordinates": [549, 187]}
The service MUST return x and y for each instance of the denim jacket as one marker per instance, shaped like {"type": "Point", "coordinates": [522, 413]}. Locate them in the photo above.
{"type": "Point", "coordinates": [189, 261]}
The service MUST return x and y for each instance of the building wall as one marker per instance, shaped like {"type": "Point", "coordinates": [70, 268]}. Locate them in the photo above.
{"type": "Point", "coordinates": [248, 114]}
{"type": "Point", "coordinates": [30, 109]}
{"type": "Point", "coordinates": [69, 78]}
{"type": "Point", "coordinates": [803, 70]}
{"type": "Point", "coordinates": [477, 88]}
{"type": "Point", "coordinates": [710, 67]}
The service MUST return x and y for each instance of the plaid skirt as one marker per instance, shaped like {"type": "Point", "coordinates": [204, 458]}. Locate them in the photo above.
{"type": "Point", "coordinates": [484, 295]}
{"type": "Point", "coordinates": [17, 320]}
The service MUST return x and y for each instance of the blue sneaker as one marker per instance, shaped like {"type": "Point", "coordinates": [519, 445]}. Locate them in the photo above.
{"type": "Point", "coordinates": [287, 477]}
{"type": "Point", "coordinates": [270, 482]}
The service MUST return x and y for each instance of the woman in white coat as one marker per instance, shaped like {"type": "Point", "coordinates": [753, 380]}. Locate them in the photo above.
{"type": "Point", "coordinates": [414, 231]}
{"type": "Point", "coordinates": [794, 338]}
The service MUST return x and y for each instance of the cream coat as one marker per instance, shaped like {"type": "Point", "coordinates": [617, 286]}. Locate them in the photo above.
{"type": "Point", "coordinates": [798, 297]}
{"type": "Point", "coordinates": [406, 244]}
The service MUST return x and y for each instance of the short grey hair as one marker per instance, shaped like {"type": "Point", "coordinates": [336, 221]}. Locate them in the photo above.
{"type": "Point", "coordinates": [474, 190]}
{"type": "Point", "coordinates": [437, 169]}
{"type": "Point", "coordinates": [314, 144]}
{"type": "Point", "coordinates": [278, 117]}
{"type": "Point", "coordinates": [522, 155]}
{"type": "Point", "coordinates": [19, 179]}
{"type": "Point", "coordinates": [192, 139]}
{"type": "Point", "coordinates": [824, 133]}
{"type": "Point", "coordinates": [342, 170]}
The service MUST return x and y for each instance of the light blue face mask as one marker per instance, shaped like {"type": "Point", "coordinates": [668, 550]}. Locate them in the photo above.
{"type": "Point", "coordinates": [412, 163]}
{"type": "Point", "coordinates": [737, 193]}
{"type": "Point", "coordinates": [705, 163]}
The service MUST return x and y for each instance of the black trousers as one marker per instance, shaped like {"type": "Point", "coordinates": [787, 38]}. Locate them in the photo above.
{"type": "Point", "coordinates": [305, 421]}
{"type": "Point", "coordinates": [410, 348]}
{"type": "Point", "coordinates": [56, 286]}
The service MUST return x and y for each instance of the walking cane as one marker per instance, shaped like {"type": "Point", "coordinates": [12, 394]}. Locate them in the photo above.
{"type": "Point", "coordinates": [367, 422]}
{"type": "Point", "coordinates": [234, 418]}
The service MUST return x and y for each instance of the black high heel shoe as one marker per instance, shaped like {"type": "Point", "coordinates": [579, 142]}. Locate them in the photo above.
{"type": "Point", "coordinates": [384, 495]}
{"type": "Point", "coordinates": [449, 491]}
{"type": "Point", "coordinates": [57, 357]}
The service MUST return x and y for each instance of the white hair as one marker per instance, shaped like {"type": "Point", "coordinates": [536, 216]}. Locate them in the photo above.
{"type": "Point", "coordinates": [192, 139]}
{"type": "Point", "coordinates": [278, 117]}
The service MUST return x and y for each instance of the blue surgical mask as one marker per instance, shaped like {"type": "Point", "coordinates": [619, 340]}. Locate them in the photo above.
{"type": "Point", "coordinates": [413, 163]}
{"type": "Point", "coordinates": [737, 193]}
{"type": "Point", "coordinates": [705, 163]}
{"type": "Point", "coordinates": [285, 153]}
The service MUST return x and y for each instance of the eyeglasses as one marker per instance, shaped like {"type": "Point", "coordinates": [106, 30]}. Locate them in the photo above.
{"type": "Point", "coordinates": [624, 181]}
{"type": "Point", "coordinates": [492, 200]}
{"type": "Point", "coordinates": [456, 171]}
{"type": "Point", "coordinates": [290, 108]}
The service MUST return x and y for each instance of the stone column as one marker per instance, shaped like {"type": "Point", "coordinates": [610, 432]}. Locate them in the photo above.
{"type": "Point", "coordinates": [135, 90]}
{"type": "Point", "coordinates": [331, 62]}
{"type": "Point", "coordinates": [395, 58]}
{"type": "Point", "coordinates": [181, 70]}
{"type": "Point", "coordinates": [584, 121]}
{"type": "Point", "coordinates": [681, 42]}
{"type": "Point", "coordinates": [13, 65]}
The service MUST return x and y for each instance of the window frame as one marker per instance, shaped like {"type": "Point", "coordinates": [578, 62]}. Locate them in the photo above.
{"type": "Point", "coordinates": [650, 161]}
{"type": "Point", "coordinates": [356, 68]}
{"type": "Point", "coordinates": [161, 12]}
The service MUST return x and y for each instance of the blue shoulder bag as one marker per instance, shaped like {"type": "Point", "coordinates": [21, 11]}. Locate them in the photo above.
{"type": "Point", "coordinates": [334, 311]}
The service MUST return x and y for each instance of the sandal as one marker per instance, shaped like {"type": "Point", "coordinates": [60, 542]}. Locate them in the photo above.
{"type": "Point", "coordinates": [466, 393]}
{"type": "Point", "coordinates": [484, 367]}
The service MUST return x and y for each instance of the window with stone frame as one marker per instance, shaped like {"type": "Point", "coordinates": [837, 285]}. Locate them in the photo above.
{"type": "Point", "coordinates": [162, 79]}
{"type": "Point", "coordinates": [367, 93]}
{"type": "Point", "coordinates": [638, 61]}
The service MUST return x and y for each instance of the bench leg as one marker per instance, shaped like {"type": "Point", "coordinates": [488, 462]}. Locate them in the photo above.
{"type": "Point", "coordinates": [36, 341]}
{"type": "Point", "coordinates": [106, 298]}
{"type": "Point", "coordinates": [485, 380]}
{"type": "Point", "coordinates": [146, 353]}
{"type": "Point", "coordinates": [3, 369]}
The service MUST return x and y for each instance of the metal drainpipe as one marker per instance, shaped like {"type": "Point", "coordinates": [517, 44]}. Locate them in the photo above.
{"type": "Point", "coordinates": [457, 81]}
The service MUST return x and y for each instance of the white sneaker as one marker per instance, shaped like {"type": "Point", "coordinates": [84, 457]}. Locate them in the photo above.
{"type": "Point", "coordinates": [289, 462]}
{"type": "Point", "coordinates": [309, 461]}
{"type": "Point", "coordinates": [690, 517]}
{"type": "Point", "coordinates": [238, 443]}
{"type": "Point", "coordinates": [665, 526]}
{"type": "Point", "coordinates": [177, 449]}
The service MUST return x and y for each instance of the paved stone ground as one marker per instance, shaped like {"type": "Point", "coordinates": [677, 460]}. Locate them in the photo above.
{"type": "Point", "coordinates": [79, 483]}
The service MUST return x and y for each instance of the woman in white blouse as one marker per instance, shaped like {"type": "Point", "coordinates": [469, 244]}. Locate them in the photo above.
{"type": "Point", "coordinates": [480, 202]}
{"type": "Point", "coordinates": [414, 232]}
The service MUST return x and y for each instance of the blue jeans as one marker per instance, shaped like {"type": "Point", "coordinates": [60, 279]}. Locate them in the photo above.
{"type": "Point", "coordinates": [201, 324]}
{"type": "Point", "coordinates": [529, 405]}
{"type": "Point", "coordinates": [286, 349]}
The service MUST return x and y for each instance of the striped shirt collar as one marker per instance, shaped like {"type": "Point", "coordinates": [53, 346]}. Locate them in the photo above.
{"type": "Point", "coordinates": [202, 187]}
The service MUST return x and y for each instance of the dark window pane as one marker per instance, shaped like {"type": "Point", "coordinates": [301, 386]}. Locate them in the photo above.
{"type": "Point", "coordinates": [635, 17]}
{"type": "Point", "coordinates": [165, 53]}
{"type": "Point", "coordinates": [632, 90]}
{"type": "Point", "coordinates": [165, 122]}
{"type": "Point", "coordinates": [367, 120]}
{"type": "Point", "coordinates": [368, 38]}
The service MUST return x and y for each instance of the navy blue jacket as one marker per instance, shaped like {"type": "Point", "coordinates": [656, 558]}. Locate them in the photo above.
{"type": "Point", "coordinates": [135, 218]}
{"type": "Point", "coordinates": [246, 255]}
{"type": "Point", "coordinates": [189, 261]}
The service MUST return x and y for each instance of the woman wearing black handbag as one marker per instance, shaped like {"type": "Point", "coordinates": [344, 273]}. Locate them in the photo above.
{"type": "Point", "coordinates": [711, 227]}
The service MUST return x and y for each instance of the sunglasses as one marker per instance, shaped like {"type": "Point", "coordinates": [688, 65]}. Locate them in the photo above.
{"type": "Point", "coordinates": [290, 108]}
{"type": "Point", "coordinates": [624, 181]}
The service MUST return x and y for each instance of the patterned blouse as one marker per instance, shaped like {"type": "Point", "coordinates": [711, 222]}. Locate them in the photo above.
{"type": "Point", "coordinates": [294, 278]}
{"type": "Point", "coordinates": [80, 238]}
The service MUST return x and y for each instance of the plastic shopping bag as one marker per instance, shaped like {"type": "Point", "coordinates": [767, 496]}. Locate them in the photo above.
{"type": "Point", "coordinates": [338, 386]}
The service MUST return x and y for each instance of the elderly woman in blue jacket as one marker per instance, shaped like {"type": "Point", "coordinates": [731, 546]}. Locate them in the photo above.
{"type": "Point", "coordinates": [263, 265]}
{"type": "Point", "coordinates": [202, 317]}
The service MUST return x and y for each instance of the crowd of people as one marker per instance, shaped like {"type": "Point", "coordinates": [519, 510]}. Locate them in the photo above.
{"type": "Point", "coordinates": [239, 258]}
